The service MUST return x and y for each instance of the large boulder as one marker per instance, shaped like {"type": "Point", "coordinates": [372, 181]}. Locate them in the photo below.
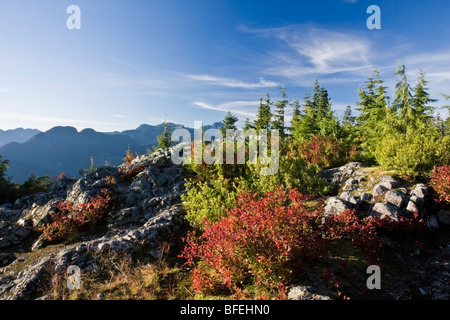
{"type": "Point", "coordinates": [37, 215]}
{"type": "Point", "coordinates": [385, 210]}
{"type": "Point", "coordinates": [336, 206]}
{"type": "Point", "coordinates": [341, 174]}
{"type": "Point", "coordinates": [421, 191]}
{"type": "Point", "coordinates": [395, 197]}
{"type": "Point", "coordinates": [347, 196]}
{"type": "Point", "coordinates": [378, 190]}
{"type": "Point", "coordinates": [91, 185]}
{"type": "Point", "coordinates": [388, 182]}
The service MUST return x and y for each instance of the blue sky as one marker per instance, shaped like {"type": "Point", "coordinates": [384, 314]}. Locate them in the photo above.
{"type": "Point", "coordinates": [135, 61]}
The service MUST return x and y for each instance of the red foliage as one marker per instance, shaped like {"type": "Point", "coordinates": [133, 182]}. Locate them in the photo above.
{"type": "Point", "coordinates": [128, 175]}
{"type": "Point", "coordinates": [59, 177]}
{"type": "Point", "coordinates": [264, 240]}
{"type": "Point", "coordinates": [347, 225]}
{"type": "Point", "coordinates": [69, 219]}
{"type": "Point", "coordinates": [404, 225]}
{"type": "Point", "coordinates": [326, 151]}
{"type": "Point", "coordinates": [440, 181]}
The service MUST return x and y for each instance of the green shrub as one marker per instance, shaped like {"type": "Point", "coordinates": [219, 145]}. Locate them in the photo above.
{"type": "Point", "coordinates": [208, 199]}
{"type": "Point", "coordinates": [34, 185]}
{"type": "Point", "coordinates": [413, 153]}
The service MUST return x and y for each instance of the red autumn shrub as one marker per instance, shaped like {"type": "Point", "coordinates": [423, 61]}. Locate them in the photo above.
{"type": "Point", "coordinates": [70, 219]}
{"type": "Point", "coordinates": [405, 226]}
{"type": "Point", "coordinates": [264, 241]}
{"type": "Point", "coordinates": [440, 181]}
{"type": "Point", "coordinates": [326, 151]}
{"type": "Point", "coordinates": [360, 233]}
{"type": "Point", "coordinates": [128, 175]}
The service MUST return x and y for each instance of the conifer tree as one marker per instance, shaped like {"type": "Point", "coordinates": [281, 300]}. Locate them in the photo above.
{"type": "Point", "coordinates": [375, 118]}
{"type": "Point", "coordinates": [348, 119]}
{"type": "Point", "coordinates": [229, 122]}
{"type": "Point", "coordinates": [403, 100]}
{"type": "Point", "coordinates": [264, 114]}
{"type": "Point", "coordinates": [423, 112]}
{"type": "Point", "coordinates": [280, 107]}
{"type": "Point", "coordinates": [248, 125]}
{"type": "Point", "coordinates": [306, 125]}
{"type": "Point", "coordinates": [164, 139]}
{"type": "Point", "coordinates": [295, 115]}
{"type": "Point", "coordinates": [4, 164]}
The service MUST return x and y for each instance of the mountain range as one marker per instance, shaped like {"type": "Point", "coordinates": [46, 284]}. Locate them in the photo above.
{"type": "Point", "coordinates": [16, 135]}
{"type": "Point", "coordinates": [67, 150]}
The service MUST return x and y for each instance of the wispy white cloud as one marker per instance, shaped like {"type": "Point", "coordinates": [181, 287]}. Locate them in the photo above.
{"type": "Point", "coordinates": [304, 52]}
{"type": "Point", "coordinates": [263, 83]}
{"type": "Point", "coordinates": [235, 107]}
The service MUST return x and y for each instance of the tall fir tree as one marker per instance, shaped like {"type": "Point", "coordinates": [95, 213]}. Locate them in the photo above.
{"type": "Point", "coordinates": [306, 125]}
{"type": "Point", "coordinates": [264, 114]}
{"type": "Point", "coordinates": [229, 122]}
{"type": "Point", "coordinates": [295, 115]}
{"type": "Point", "coordinates": [422, 111]}
{"type": "Point", "coordinates": [403, 101]}
{"type": "Point", "coordinates": [280, 107]}
{"type": "Point", "coordinates": [317, 116]}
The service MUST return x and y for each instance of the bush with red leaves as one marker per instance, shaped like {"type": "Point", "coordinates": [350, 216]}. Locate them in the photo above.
{"type": "Point", "coordinates": [440, 181]}
{"type": "Point", "coordinates": [360, 233]}
{"type": "Point", "coordinates": [128, 175]}
{"type": "Point", "coordinates": [70, 219]}
{"type": "Point", "coordinates": [264, 241]}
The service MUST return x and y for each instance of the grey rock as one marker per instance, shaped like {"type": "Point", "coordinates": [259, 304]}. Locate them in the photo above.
{"type": "Point", "coordinates": [420, 191]}
{"type": "Point", "coordinates": [363, 196]}
{"type": "Point", "coordinates": [395, 197]}
{"type": "Point", "coordinates": [336, 206]}
{"type": "Point", "coordinates": [350, 184]}
{"type": "Point", "coordinates": [347, 196]}
{"type": "Point", "coordinates": [378, 190]}
{"type": "Point", "coordinates": [385, 210]}
{"type": "Point", "coordinates": [38, 244]}
{"type": "Point", "coordinates": [25, 282]}
{"type": "Point", "coordinates": [388, 182]}
{"type": "Point", "coordinates": [341, 174]}
{"type": "Point", "coordinates": [418, 201]}
{"type": "Point", "coordinates": [444, 216]}
{"type": "Point", "coordinates": [305, 293]}
{"type": "Point", "coordinates": [411, 207]}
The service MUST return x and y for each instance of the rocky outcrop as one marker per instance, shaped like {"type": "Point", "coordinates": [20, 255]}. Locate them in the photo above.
{"type": "Point", "coordinates": [148, 194]}
{"type": "Point", "coordinates": [375, 195]}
